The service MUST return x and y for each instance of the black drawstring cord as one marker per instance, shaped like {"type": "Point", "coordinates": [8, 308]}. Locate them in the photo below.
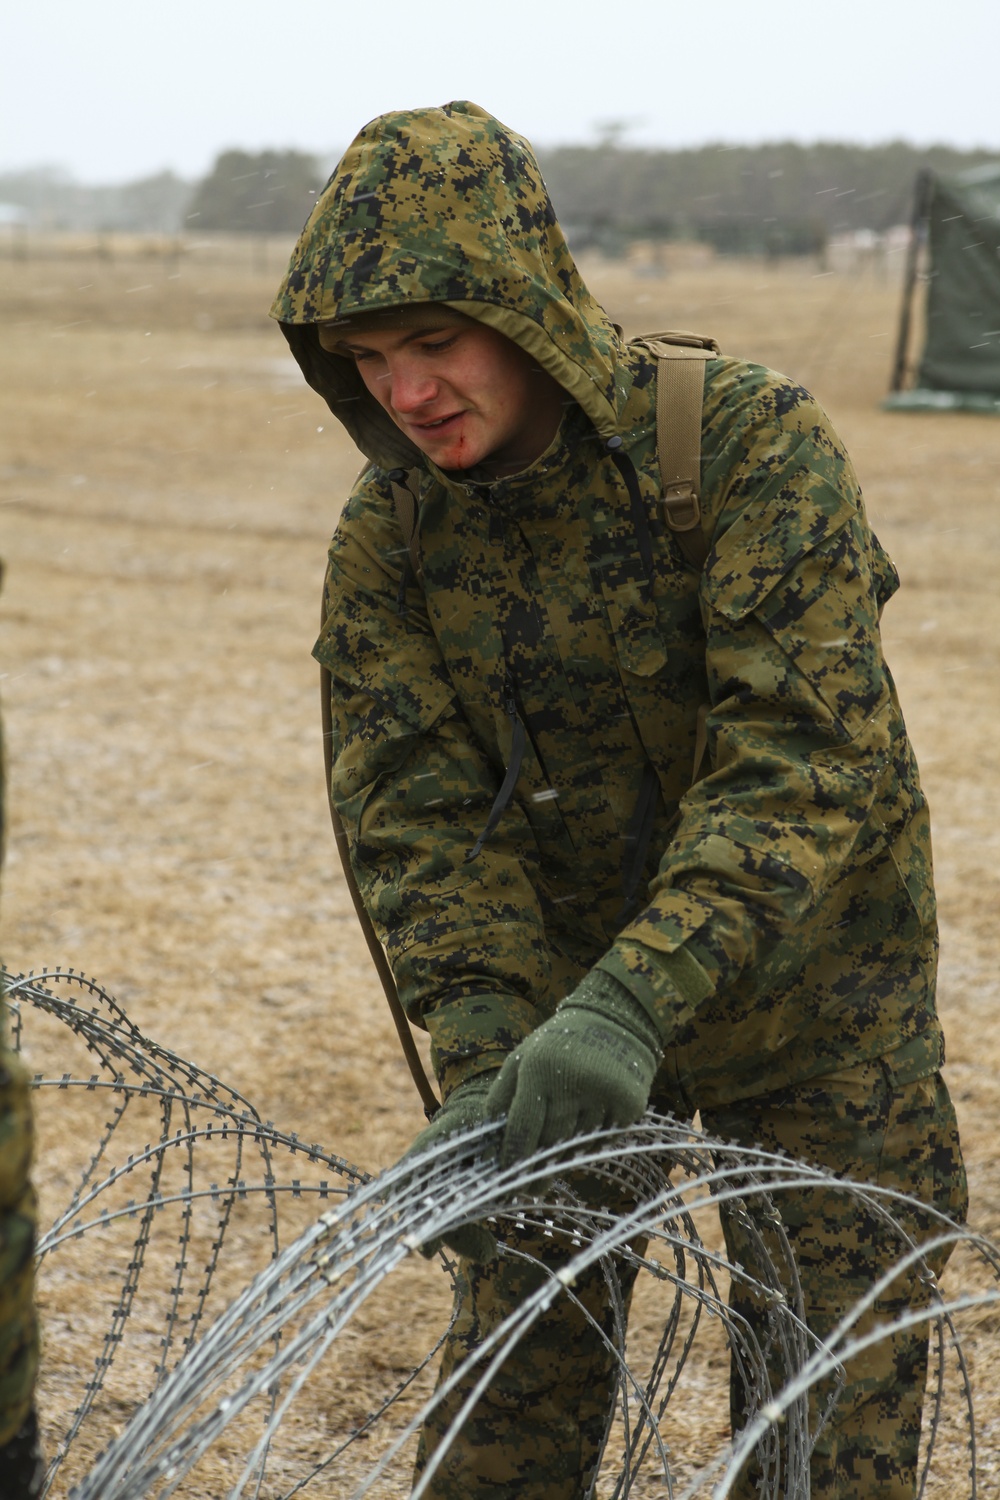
{"type": "Point", "coordinates": [640, 826]}
{"type": "Point", "coordinates": [637, 837]}
{"type": "Point", "coordinates": [518, 741]}
{"type": "Point", "coordinates": [640, 521]}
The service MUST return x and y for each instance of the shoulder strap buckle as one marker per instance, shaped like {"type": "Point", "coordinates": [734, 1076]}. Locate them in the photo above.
{"type": "Point", "coordinates": [681, 506]}
{"type": "Point", "coordinates": [680, 394]}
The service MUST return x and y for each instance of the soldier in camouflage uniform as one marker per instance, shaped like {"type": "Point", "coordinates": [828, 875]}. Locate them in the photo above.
{"type": "Point", "coordinates": [21, 1467]}
{"type": "Point", "coordinates": [630, 832]}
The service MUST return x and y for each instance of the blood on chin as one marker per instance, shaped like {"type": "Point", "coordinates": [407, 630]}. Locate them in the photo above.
{"type": "Point", "coordinates": [449, 446]}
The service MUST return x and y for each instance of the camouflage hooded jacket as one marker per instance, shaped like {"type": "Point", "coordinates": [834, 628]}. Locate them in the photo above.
{"type": "Point", "coordinates": [772, 908]}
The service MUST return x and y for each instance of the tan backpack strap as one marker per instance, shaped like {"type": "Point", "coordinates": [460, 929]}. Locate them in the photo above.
{"type": "Point", "coordinates": [672, 343]}
{"type": "Point", "coordinates": [402, 1025]}
{"type": "Point", "coordinates": [680, 395]}
{"type": "Point", "coordinates": [405, 484]}
{"type": "Point", "coordinates": [680, 387]}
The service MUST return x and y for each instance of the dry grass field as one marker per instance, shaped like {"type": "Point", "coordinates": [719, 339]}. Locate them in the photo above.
{"type": "Point", "coordinates": [167, 488]}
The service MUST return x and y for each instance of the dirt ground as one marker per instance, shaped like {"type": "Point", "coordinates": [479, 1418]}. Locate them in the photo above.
{"type": "Point", "coordinates": [167, 488]}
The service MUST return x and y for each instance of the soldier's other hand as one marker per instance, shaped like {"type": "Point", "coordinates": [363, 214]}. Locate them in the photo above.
{"type": "Point", "coordinates": [589, 1066]}
{"type": "Point", "coordinates": [463, 1110]}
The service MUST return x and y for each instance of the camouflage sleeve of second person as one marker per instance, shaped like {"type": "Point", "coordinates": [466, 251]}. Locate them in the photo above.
{"type": "Point", "coordinates": [19, 1333]}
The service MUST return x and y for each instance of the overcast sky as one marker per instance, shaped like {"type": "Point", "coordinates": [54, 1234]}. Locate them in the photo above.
{"type": "Point", "coordinates": [113, 90]}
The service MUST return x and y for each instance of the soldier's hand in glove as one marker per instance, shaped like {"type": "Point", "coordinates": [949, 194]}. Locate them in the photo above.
{"type": "Point", "coordinates": [590, 1065]}
{"type": "Point", "coordinates": [464, 1109]}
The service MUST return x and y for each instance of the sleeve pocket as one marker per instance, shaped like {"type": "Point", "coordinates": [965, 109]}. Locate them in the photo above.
{"type": "Point", "coordinates": [387, 698]}
{"type": "Point", "coordinates": [766, 543]}
{"type": "Point", "coordinates": [406, 678]}
{"type": "Point", "coordinates": [799, 567]}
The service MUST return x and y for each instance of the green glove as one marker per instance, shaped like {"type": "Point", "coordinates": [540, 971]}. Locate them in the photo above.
{"type": "Point", "coordinates": [590, 1065]}
{"type": "Point", "coordinates": [464, 1109]}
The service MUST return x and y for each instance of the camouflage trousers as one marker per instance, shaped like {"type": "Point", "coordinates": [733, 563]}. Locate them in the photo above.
{"type": "Point", "coordinates": [538, 1429]}
{"type": "Point", "coordinates": [18, 1325]}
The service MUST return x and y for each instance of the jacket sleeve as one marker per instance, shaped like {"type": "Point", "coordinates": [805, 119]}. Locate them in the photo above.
{"type": "Point", "coordinates": [465, 940]}
{"type": "Point", "coordinates": [801, 720]}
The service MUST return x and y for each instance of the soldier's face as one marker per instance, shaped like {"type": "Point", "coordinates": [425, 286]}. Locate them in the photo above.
{"type": "Point", "coordinates": [460, 391]}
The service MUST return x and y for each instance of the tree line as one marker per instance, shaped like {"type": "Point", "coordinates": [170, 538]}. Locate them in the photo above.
{"type": "Point", "coordinates": [780, 198]}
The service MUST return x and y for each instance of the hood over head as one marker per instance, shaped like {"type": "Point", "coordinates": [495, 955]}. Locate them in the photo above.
{"type": "Point", "coordinates": [444, 205]}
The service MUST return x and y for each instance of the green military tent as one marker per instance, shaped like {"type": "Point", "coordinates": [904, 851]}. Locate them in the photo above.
{"type": "Point", "coordinates": [955, 246]}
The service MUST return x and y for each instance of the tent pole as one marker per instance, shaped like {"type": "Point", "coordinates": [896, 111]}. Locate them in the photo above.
{"type": "Point", "coordinates": [921, 211]}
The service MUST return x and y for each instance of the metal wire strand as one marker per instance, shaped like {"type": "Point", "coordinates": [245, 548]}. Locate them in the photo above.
{"type": "Point", "coordinates": [619, 1204]}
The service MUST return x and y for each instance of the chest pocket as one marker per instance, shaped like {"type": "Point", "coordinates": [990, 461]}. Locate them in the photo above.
{"type": "Point", "coordinates": [799, 568]}
{"type": "Point", "coordinates": [635, 626]}
{"type": "Point", "coordinates": [660, 649]}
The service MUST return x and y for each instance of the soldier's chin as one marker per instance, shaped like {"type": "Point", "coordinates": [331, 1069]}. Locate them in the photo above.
{"type": "Point", "coordinates": [449, 446]}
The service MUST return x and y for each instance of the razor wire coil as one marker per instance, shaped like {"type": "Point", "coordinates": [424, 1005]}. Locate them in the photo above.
{"type": "Point", "coordinates": [253, 1358]}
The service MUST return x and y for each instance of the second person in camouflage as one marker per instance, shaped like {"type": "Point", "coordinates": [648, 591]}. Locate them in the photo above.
{"type": "Point", "coordinates": [629, 831]}
{"type": "Point", "coordinates": [22, 1469]}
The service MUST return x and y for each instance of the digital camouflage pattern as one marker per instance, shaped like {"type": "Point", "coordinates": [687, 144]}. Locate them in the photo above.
{"type": "Point", "coordinates": [877, 1125]}
{"type": "Point", "coordinates": [445, 205]}
{"type": "Point", "coordinates": [537, 1431]}
{"type": "Point", "coordinates": [783, 925]}
{"type": "Point", "coordinates": [792, 882]}
{"type": "Point", "coordinates": [789, 922]}
{"type": "Point", "coordinates": [18, 1325]}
